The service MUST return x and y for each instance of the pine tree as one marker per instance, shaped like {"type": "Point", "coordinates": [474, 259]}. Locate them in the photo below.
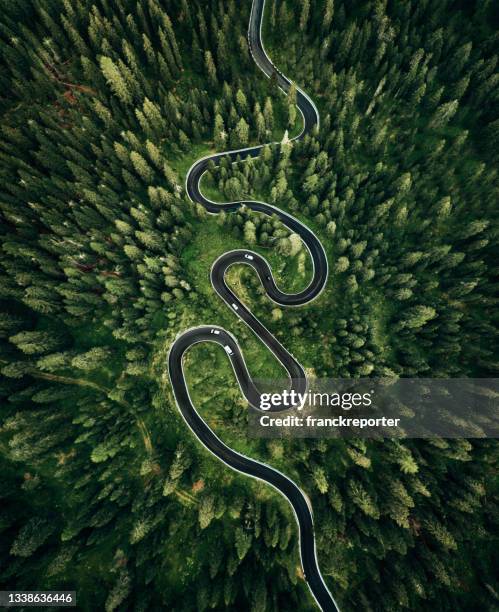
{"type": "Point", "coordinates": [241, 103]}
{"type": "Point", "coordinates": [443, 114]}
{"type": "Point", "coordinates": [142, 167]}
{"type": "Point", "coordinates": [219, 134]}
{"type": "Point", "coordinates": [268, 114]}
{"type": "Point", "coordinates": [250, 232]}
{"type": "Point", "coordinates": [115, 80]}
{"type": "Point", "coordinates": [210, 68]}
{"type": "Point", "coordinates": [328, 15]}
{"type": "Point", "coordinates": [240, 135]}
{"type": "Point", "coordinates": [304, 15]}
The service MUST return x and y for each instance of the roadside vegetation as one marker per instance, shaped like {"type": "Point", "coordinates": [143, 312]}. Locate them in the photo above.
{"type": "Point", "coordinates": [104, 260]}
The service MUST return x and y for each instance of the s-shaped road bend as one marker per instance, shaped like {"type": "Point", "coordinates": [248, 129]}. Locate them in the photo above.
{"type": "Point", "coordinates": [298, 381]}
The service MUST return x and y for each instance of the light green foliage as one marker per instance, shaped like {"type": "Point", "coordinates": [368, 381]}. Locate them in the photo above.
{"type": "Point", "coordinates": [97, 357]}
{"type": "Point", "coordinates": [210, 67]}
{"type": "Point", "coordinates": [116, 80]}
{"type": "Point", "coordinates": [32, 535]}
{"type": "Point", "coordinates": [104, 260]}
{"type": "Point", "coordinates": [241, 134]}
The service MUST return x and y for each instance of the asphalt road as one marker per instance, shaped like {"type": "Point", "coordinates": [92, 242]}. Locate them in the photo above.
{"type": "Point", "coordinates": [298, 381]}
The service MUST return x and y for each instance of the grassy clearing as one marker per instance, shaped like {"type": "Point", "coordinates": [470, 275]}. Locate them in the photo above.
{"type": "Point", "coordinates": [182, 163]}
{"type": "Point", "coordinates": [211, 381]}
{"type": "Point", "coordinates": [210, 242]}
{"type": "Point", "coordinates": [291, 273]}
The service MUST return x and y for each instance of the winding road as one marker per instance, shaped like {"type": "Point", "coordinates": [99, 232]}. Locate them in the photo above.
{"type": "Point", "coordinates": [298, 381]}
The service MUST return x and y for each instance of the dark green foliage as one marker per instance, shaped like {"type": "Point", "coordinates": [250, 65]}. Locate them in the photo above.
{"type": "Point", "coordinates": [105, 105]}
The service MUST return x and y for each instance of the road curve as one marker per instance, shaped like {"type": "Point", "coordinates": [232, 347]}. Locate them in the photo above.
{"type": "Point", "coordinates": [298, 381]}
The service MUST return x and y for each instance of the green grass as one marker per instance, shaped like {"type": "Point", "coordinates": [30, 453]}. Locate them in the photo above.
{"type": "Point", "coordinates": [182, 163]}
{"type": "Point", "coordinates": [209, 243]}
{"type": "Point", "coordinates": [210, 377]}
{"type": "Point", "coordinates": [284, 269]}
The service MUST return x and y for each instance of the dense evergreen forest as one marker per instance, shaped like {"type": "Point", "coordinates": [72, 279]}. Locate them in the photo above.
{"type": "Point", "coordinates": [104, 260]}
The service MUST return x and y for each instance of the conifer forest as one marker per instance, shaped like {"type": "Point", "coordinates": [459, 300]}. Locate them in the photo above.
{"type": "Point", "coordinates": [105, 260]}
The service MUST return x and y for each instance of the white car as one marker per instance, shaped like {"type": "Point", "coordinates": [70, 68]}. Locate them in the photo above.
{"type": "Point", "coordinates": [247, 256]}
{"type": "Point", "coordinates": [228, 350]}
{"type": "Point", "coordinates": [215, 331]}
{"type": "Point", "coordinates": [235, 306]}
